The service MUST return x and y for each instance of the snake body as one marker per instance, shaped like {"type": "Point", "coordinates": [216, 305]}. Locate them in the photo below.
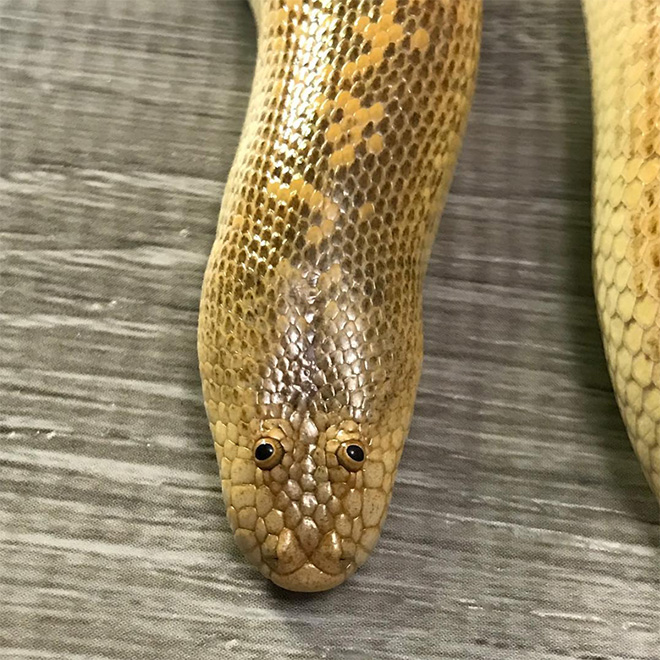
{"type": "Point", "coordinates": [624, 43]}
{"type": "Point", "coordinates": [310, 333]}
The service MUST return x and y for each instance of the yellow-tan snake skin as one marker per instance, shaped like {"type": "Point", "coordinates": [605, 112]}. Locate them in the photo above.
{"type": "Point", "coordinates": [310, 333]}
{"type": "Point", "coordinates": [624, 42]}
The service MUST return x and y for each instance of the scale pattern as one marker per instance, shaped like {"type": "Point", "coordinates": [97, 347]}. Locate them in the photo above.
{"type": "Point", "coordinates": [310, 328]}
{"type": "Point", "coordinates": [624, 41]}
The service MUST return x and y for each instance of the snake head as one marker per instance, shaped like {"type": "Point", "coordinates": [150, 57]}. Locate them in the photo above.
{"type": "Point", "coordinates": [306, 506]}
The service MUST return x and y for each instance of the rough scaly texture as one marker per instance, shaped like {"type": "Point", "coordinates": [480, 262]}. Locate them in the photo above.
{"type": "Point", "coordinates": [310, 334]}
{"type": "Point", "coordinates": [624, 42]}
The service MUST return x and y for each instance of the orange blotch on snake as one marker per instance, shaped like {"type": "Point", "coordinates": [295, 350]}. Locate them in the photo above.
{"type": "Point", "coordinates": [279, 190]}
{"type": "Point", "coordinates": [343, 99]}
{"type": "Point", "coordinates": [348, 70]}
{"type": "Point", "coordinates": [314, 235]}
{"type": "Point", "coordinates": [385, 23]}
{"type": "Point", "coordinates": [366, 211]}
{"type": "Point", "coordinates": [333, 133]}
{"type": "Point", "coordinates": [420, 39]}
{"type": "Point", "coordinates": [376, 112]}
{"type": "Point", "coordinates": [380, 39]}
{"type": "Point", "coordinates": [352, 106]}
{"type": "Point", "coordinates": [327, 226]}
{"type": "Point", "coordinates": [362, 24]}
{"type": "Point", "coordinates": [395, 32]}
{"type": "Point", "coordinates": [355, 134]}
{"type": "Point", "coordinates": [375, 143]}
{"type": "Point", "coordinates": [344, 156]}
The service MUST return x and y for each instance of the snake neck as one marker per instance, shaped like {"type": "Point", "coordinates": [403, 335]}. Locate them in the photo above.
{"type": "Point", "coordinates": [311, 313]}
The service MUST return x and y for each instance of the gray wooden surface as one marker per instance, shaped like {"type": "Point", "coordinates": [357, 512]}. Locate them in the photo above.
{"type": "Point", "coordinates": [521, 526]}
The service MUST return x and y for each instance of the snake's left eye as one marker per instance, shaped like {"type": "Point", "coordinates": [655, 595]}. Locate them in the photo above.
{"type": "Point", "coordinates": [351, 455]}
{"type": "Point", "coordinates": [268, 453]}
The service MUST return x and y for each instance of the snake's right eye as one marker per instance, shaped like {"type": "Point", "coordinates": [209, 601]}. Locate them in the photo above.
{"type": "Point", "coordinates": [351, 455]}
{"type": "Point", "coordinates": [268, 452]}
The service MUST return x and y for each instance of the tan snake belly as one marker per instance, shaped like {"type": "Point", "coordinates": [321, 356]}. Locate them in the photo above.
{"type": "Point", "coordinates": [310, 333]}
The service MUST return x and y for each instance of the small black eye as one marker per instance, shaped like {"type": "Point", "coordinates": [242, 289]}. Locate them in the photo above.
{"type": "Point", "coordinates": [351, 455]}
{"type": "Point", "coordinates": [268, 452]}
{"type": "Point", "coordinates": [264, 451]}
{"type": "Point", "coordinates": [355, 453]}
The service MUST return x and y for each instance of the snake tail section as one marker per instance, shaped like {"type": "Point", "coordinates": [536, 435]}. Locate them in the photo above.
{"type": "Point", "coordinates": [310, 329]}
{"type": "Point", "coordinates": [624, 43]}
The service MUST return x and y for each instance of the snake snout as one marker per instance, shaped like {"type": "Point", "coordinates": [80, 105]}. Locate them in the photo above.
{"type": "Point", "coordinates": [329, 553]}
{"type": "Point", "coordinates": [303, 563]}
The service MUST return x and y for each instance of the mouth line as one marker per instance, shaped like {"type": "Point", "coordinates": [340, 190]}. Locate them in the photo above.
{"type": "Point", "coordinates": [274, 565]}
{"type": "Point", "coordinates": [309, 578]}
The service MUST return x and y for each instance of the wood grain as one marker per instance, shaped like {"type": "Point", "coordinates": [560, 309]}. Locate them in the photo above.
{"type": "Point", "coordinates": [521, 526]}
